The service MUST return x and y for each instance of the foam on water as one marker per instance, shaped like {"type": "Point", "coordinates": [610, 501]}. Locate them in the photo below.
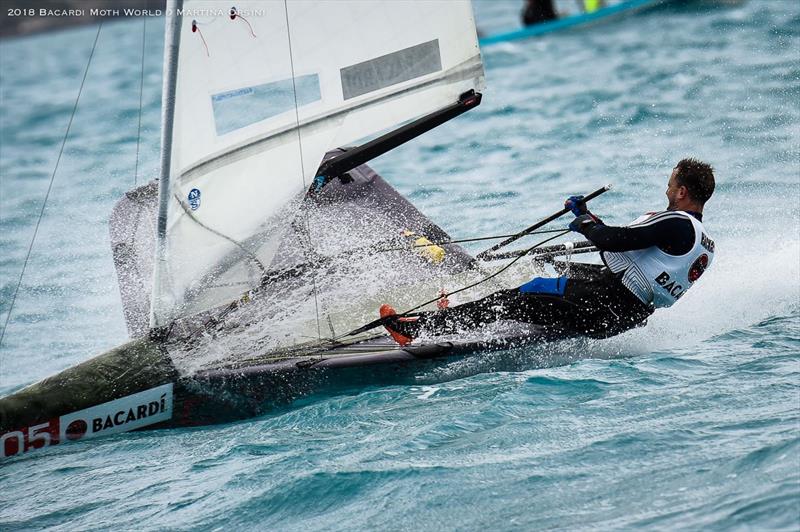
{"type": "Point", "coordinates": [745, 286]}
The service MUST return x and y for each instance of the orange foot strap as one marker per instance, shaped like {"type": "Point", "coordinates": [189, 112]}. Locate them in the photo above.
{"type": "Point", "coordinates": [387, 311]}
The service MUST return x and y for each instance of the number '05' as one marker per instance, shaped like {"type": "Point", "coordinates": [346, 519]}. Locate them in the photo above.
{"type": "Point", "coordinates": [36, 433]}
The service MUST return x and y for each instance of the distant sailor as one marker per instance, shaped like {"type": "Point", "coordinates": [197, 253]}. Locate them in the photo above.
{"type": "Point", "coordinates": [590, 6]}
{"type": "Point", "coordinates": [648, 264]}
{"type": "Point", "coordinates": [536, 11]}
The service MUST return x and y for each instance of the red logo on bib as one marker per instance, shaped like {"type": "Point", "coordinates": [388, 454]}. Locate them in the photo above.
{"type": "Point", "coordinates": [698, 267]}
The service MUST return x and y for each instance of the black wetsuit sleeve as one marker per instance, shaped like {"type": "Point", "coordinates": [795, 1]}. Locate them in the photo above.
{"type": "Point", "coordinates": [672, 233]}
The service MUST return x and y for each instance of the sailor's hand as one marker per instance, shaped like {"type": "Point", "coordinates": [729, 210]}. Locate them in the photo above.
{"type": "Point", "coordinates": [582, 222]}
{"type": "Point", "coordinates": [576, 205]}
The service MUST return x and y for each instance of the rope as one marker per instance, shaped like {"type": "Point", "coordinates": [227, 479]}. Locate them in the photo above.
{"type": "Point", "coordinates": [232, 240]}
{"type": "Point", "coordinates": [50, 186]}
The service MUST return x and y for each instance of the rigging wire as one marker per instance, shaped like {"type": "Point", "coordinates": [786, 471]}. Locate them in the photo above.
{"type": "Point", "coordinates": [141, 91]}
{"type": "Point", "coordinates": [462, 240]}
{"type": "Point", "coordinates": [302, 166]}
{"type": "Point", "coordinates": [377, 323]}
{"type": "Point", "coordinates": [376, 247]}
{"type": "Point", "coordinates": [495, 274]}
{"type": "Point", "coordinates": [50, 186]}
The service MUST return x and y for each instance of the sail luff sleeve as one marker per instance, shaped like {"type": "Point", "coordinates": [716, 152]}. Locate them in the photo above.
{"type": "Point", "coordinates": [171, 49]}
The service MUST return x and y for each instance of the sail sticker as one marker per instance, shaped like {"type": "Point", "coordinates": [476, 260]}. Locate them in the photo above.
{"type": "Point", "coordinates": [120, 415]}
{"type": "Point", "coordinates": [194, 199]}
{"type": "Point", "coordinates": [241, 107]}
{"type": "Point", "coordinates": [391, 69]}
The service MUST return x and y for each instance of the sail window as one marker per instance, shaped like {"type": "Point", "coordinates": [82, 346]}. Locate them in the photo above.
{"type": "Point", "coordinates": [241, 107]}
{"type": "Point", "coordinates": [390, 69]}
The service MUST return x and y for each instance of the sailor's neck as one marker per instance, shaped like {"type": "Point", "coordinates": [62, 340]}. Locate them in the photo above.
{"type": "Point", "coordinates": [695, 211]}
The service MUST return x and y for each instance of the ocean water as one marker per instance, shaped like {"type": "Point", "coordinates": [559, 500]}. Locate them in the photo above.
{"type": "Point", "coordinates": [691, 422]}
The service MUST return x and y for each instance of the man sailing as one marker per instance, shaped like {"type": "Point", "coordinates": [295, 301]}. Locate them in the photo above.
{"type": "Point", "coordinates": [648, 264]}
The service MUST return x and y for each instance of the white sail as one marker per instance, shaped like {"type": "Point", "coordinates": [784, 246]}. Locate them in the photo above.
{"type": "Point", "coordinates": [260, 97]}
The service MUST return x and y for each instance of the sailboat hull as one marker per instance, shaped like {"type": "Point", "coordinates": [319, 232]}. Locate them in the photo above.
{"type": "Point", "coordinates": [136, 386]}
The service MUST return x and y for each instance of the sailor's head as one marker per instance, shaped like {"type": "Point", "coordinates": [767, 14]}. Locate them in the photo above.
{"type": "Point", "coordinates": [690, 185]}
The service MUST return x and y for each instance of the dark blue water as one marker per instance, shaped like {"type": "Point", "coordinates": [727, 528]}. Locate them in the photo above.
{"type": "Point", "coordinates": [692, 422]}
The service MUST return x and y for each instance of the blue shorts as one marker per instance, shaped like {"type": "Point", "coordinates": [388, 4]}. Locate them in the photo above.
{"type": "Point", "coordinates": [552, 286]}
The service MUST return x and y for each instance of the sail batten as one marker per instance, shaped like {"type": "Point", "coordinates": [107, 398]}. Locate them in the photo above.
{"type": "Point", "coordinates": [258, 105]}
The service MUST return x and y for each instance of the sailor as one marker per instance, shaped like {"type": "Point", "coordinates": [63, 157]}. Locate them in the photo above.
{"type": "Point", "coordinates": [590, 6]}
{"type": "Point", "coordinates": [536, 11]}
{"type": "Point", "coordinates": [648, 264]}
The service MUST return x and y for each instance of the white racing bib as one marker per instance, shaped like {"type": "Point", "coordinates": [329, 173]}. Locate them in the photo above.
{"type": "Point", "coordinates": [659, 278]}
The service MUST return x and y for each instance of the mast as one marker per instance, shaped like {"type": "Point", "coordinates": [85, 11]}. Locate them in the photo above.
{"type": "Point", "coordinates": [171, 46]}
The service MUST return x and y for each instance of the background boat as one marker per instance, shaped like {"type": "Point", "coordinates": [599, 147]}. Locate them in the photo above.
{"type": "Point", "coordinates": [569, 20]}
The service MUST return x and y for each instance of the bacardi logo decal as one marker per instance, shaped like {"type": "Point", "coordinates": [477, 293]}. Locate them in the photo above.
{"type": "Point", "coordinates": [670, 285]}
{"type": "Point", "coordinates": [77, 429]}
{"type": "Point", "coordinates": [121, 415]}
{"type": "Point", "coordinates": [706, 242]}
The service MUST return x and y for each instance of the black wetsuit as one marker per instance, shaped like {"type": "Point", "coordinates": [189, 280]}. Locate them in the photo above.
{"type": "Point", "coordinates": [593, 302]}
